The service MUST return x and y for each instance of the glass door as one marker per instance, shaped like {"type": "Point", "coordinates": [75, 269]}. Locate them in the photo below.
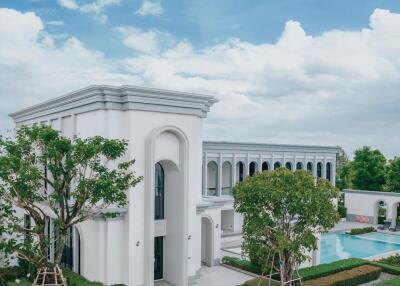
{"type": "Point", "coordinates": [158, 258]}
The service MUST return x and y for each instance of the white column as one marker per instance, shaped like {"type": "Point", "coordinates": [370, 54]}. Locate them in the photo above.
{"type": "Point", "coordinates": [205, 193]}
{"type": "Point", "coordinates": [234, 170]}
{"type": "Point", "coordinates": [219, 180]}
{"type": "Point", "coordinates": [315, 167]}
{"type": "Point", "coordinates": [260, 163]}
{"type": "Point", "coordinates": [324, 168]}
{"type": "Point", "coordinates": [247, 167]}
{"type": "Point", "coordinates": [333, 170]}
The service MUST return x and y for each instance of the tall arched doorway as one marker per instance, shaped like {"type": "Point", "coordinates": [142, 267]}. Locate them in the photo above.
{"type": "Point", "coordinates": [299, 166]}
{"type": "Point", "coordinates": [277, 165]}
{"type": "Point", "coordinates": [207, 245]}
{"type": "Point", "coordinates": [288, 166]}
{"type": "Point", "coordinates": [168, 147]}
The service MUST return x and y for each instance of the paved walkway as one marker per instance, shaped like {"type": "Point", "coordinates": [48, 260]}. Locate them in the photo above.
{"type": "Point", "coordinates": [221, 276]}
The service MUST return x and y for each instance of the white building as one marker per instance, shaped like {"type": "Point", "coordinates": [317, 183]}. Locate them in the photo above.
{"type": "Point", "coordinates": [176, 217]}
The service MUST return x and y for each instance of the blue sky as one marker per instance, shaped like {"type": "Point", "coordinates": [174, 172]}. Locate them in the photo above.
{"type": "Point", "coordinates": [295, 72]}
{"type": "Point", "coordinates": [206, 22]}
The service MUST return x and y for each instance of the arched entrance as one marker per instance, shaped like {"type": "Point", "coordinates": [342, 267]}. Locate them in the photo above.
{"type": "Point", "coordinates": [277, 165]}
{"type": "Point", "coordinates": [288, 166]}
{"type": "Point", "coordinates": [168, 147]}
{"type": "Point", "coordinates": [207, 242]}
{"type": "Point", "coordinates": [299, 166]}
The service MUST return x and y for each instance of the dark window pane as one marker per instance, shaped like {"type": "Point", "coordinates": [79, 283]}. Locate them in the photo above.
{"type": "Point", "coordinates": [159, 192]}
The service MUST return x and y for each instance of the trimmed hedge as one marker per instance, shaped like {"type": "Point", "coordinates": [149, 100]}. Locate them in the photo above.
{"type": "Point", "coordinates": [307, 273]}
{"type": "Point", "coordinates": [355, 276]}
{"type": "Point", "coordinates": [356, 231]}
{"type": "Point", "coordinates": [241, 264]}
{"type": "Point", "coordinates": [74, 279]}
{"type": "Point", "coordinates": [391, 269]}
{"type": "Point", "coordinates": [321, 270]}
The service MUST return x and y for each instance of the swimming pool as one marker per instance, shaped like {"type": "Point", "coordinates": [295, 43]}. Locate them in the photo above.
{"type": "Point", "coordinates": [338, 245]}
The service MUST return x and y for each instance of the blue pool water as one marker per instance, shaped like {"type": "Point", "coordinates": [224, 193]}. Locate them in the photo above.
{"type": "Point", "coordinates": [338, 245]}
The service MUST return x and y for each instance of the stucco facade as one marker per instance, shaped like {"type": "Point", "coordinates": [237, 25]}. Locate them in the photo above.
{"type": "Point", "coordinates": [165, 128]}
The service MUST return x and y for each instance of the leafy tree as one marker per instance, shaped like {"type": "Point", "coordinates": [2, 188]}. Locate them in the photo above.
{"type": "Point", "coordinates": [43, 173]}
{"type": "Point", "coordinates": [283, 211]}
{"type": "Point", "coordinates": [393, 176]}
{"type": "Point", "coordinates": [368, 169]}
{"type": "Point", "coordinates": [343, 171]}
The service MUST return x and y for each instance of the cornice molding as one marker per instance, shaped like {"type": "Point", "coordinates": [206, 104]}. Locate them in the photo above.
{"type": "Point", "coordinates": [124, 97]}
{"type": "Point", "coordinates": [227, 146]}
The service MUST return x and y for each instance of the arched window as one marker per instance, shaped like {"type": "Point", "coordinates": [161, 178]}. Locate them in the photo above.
{"type": "Point", "coordinates": [253, 168]}
{"type": "Point", "coordinates": [212, 178]}
{"type": "Point", "coordinates": [264, 166]}
{"type": "Point", "coordinates": [299, 166]}
{"type": "Point", "coordinates": [277, 165]}
{"type": "Point", "coordinates": [226, 179]}
{"type": "Point", "coordinates": [319, 169]}
{"type": "Point", "coordinates": [309, 167]}
{"type": "Point", "coordinates": [328, 171]}
{"type": "Point", "coordinates": [240, 171]}
{"type": "Point", "coordinates": [288, 165]}
{"type": "Point", "coordinates": [159, 192]}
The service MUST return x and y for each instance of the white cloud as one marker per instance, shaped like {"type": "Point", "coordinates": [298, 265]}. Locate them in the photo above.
{"type": "Point", "coordinates": [96, 8]}
{"type": "Point", "coordinates": [341, 87]}
{"type": "Point", "coordinates": [148, 42]}
{"type": "Point", "coordinates": [150, 8]}
{"type": "Point", "coordinates": [55, 23]}
{"type": "Point", "coordinates": [69, 4]}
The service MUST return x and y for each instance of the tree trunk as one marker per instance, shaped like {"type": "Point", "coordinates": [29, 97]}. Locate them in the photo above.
{"type": "Point", "coordinates": [286, 268]}
{"type": "Point", "coordinates": [60, 247]}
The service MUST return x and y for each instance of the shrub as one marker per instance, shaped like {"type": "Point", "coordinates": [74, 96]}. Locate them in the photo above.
{"type": "Point", "coordinates": [321, 270]}
{"type": "Point", "coordinates": [356, 231]}
{"type": "Point", "coordinates": [74, 279]}
{"type": "Point", "coordinates": [392, 260]}
{"type": "Point", "coordinates": [241, 264]}
{"type": "Point", "coordinates": [355, 276]}
{"type": "Point", "coordinates": [342, 211]}
{"type": "Point", "coordinates": [10, 274]}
